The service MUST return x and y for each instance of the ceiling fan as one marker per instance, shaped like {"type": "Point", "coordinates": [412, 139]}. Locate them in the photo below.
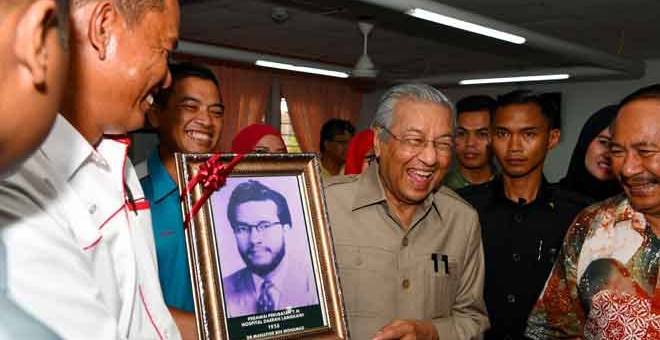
{"type": "Point", "coordinates": [365, 68]}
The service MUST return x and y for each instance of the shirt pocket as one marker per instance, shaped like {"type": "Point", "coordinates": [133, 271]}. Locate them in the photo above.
{"type": "Point", "coordinates": [441, 287]}
{"type": "Point", "coordinates": [366, 275]}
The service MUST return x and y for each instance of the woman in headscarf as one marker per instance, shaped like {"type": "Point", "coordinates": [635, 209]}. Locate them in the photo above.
{"type": "Point", "coordinates": [258, 138]}
{"type": "Point", "coordinates": [590, 172]}
{"type": "Point", "coordinates": [360, 152]}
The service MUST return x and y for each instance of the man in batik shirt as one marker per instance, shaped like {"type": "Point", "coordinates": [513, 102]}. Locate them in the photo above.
{"type": "Point", "coordinates": [605, 283]}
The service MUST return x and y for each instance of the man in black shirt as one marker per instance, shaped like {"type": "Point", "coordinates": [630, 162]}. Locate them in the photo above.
{"type": "Point", "coordinates": [523, 217]}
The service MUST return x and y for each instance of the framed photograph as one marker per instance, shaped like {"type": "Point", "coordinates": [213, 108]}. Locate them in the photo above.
{"type": "Point", "coordinates": [260, 251]}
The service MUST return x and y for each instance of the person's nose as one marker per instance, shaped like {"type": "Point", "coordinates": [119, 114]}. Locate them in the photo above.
{"type": "Point", "coordinates": [204, 117]}
{"type": "Point", "coordinates": [515, 143]}
{"type": "Point", "coordinates": [632, 165]}
{"type": "Point", "coordinates": [470, 140]}
{"type": "Point", "coordinates": [428, 154]}
{"type": "Point", "coordinates": [255, 236]}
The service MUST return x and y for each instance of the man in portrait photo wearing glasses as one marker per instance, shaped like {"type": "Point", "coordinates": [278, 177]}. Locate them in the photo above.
{"type": "Point", "coordinates": [272, 279]}
{"type": "Point", "coordinates": [408, 249]}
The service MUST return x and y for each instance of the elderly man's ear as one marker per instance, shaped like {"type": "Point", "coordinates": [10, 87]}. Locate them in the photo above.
{"type": "Point", "coordinates": [35, 28]}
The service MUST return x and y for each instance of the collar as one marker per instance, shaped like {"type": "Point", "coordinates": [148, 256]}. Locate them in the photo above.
{"type": "Point", "coordinates": [544, 194]}
{"type": "Point", "coordinates": [370, 191]}
{"type": "Point", "coordinates": [66, 148]}
{"type": "Point", "coordinates": [624, 211]}
{"type": "Point", "coordinates": [162, 182]}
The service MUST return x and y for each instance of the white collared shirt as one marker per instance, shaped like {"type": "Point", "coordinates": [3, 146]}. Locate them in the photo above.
{"type": "Point", "coordinates": [80, 250]}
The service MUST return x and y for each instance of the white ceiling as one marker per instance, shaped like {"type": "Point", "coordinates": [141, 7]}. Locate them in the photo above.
{"type": "Point", "coordinates": [404, 47]}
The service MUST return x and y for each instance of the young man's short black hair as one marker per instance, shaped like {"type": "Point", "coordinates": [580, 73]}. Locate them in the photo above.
{"type": "Point", "coordinates": [335, 127]}
{"type": "Point", "coordinates": [476, 103]}
{"type": "Point", "coordinates": [546, 101]}
{"type": "Point", "coordinates": [255, 191]}
{"type": "Point", "coordinates": [181, 71]}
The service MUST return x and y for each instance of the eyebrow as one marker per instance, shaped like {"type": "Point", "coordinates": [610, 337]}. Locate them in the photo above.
{"type": "Point", "coordinates": [644, 144]}
{"type": "Point", "coordinates": [524, 128]}
{"type": "Point", "coordinates": [448, 134]}
{"type": "Point", "coordinates": [193, 99]}
{"type": "Point", "coordinates": [189, 99]}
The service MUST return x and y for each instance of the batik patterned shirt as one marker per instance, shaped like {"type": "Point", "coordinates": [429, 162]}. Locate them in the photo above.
{"type": "Point", "coordinates": [605, 282]}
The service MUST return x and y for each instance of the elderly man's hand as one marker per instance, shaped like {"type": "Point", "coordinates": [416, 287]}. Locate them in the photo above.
{"type": "Point", "coordinates": [408, 330]}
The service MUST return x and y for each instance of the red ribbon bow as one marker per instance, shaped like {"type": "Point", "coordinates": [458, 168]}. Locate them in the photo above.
{"type": "Point", "coordinates": [212, 175]}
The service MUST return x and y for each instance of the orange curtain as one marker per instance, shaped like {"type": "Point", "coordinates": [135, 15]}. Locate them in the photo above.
{"type": "Point", "coordinates": [245, 93]}
{"type": "Point", "coordinates": [312, 101]}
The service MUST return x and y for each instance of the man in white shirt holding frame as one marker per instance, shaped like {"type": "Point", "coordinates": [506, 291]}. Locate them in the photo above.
{"type": "Point", "coordinates": [74, 221]}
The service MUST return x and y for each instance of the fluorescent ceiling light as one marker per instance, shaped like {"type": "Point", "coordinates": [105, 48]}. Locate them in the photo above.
{"type": "Point", "coordinates": [464, 25]}
{"type": "Point", "coordinates": [514, 79]}
{"type": "Point", "coordinates": [305, 69]}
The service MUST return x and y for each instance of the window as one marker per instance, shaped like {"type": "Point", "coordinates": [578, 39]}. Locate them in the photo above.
{"type": "Point", "coordinates": [286, 128]}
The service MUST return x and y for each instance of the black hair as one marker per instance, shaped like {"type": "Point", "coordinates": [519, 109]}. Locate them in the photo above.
{"type": "Point", "coordinates": [648, 92]}
{"type": "Point", "coordinates": [546, 101]}
{"type": "Point", "coordinates": [476, 103]}
{"type": "Point", "coordinates": [578, 178]}
{"type": "Point", "coordinates": [181, 71]}
{"type": "Point", "coordinates": [255, 191]}
{"type": "Point", "coordinates": [334, 127]}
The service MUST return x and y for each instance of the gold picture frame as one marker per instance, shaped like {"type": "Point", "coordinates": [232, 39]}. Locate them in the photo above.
{"type": "Point", "coordinates": [232, 303]}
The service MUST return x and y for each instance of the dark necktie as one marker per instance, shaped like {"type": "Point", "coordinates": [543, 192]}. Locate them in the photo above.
{"type": "Point", "coordinates": [265, 302]}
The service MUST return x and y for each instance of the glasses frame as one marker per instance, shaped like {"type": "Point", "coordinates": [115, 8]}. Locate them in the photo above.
{"type": "Point", "coordinates": [417, 149]}
{"type": "Point", "coordinates": [265, 227]}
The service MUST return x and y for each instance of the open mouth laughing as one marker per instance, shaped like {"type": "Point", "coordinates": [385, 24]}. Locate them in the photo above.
{"type": "Point", "coordinates": [420, 178]}
{"type": "Point", "coordinates": [198, 136]}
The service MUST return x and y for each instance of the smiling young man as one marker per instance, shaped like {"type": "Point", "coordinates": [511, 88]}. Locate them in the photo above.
{"type": "Point", "coordinates": [76, 227]}
{"type": "Point", "coordinates": [472, 142]}
{"type": "Point", "coordinates": [523, 217]}
{"type": "Point", "coordinates": [605, 282]}
{"type": "Point", "coordinates": [188, 117]}
{"type": "Point", "coordinates": [408, 249]}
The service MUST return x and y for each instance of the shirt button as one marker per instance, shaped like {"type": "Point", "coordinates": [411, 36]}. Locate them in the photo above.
{"type": "Point", "coordinates": [404, 242]}
{"type": "Point", "coordinates": [92, 208]}
{"type": "Point", "coordinates": [510, 298]}
{"type": "Point", "coordinates": [516, 257]}
{"type": "Point", "coordinates": [49, 184]}
{"type": "Point", "coordinates": [518, 218]}
{"type": "Point", "coordinates": [405, 284]}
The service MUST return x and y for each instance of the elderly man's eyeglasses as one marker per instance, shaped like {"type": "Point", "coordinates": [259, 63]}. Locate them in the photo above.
{"type": "Point", "coordinates": [244, 229]}
{"type": "Point", "coordinates": [415, 144]}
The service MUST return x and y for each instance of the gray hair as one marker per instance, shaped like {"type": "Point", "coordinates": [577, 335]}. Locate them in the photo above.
{"type": "Point", "coordinates": [132, 10]}
{"type": "Point", "coordinates": [418, 92]}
